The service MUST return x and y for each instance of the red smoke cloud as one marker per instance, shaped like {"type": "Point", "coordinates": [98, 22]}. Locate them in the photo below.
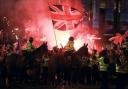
{"type": "Point", "coordinates": [36, 21]}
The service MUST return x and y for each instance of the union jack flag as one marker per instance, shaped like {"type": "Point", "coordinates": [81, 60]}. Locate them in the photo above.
{"type": "Point", "coordinates": [65, 17]}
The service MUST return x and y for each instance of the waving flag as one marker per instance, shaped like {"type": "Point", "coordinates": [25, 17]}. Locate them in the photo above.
{"type": "Point", "coordinates": [117, 39]}
{"type": "Point", "coordinates": [64, 16]}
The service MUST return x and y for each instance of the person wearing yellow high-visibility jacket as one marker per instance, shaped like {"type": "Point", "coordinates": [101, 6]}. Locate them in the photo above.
{"type": "Point", "coordinates": [85, 70]}
{"type": "Point", "coordinates": [103, 68]}
{"type": "Point", "coordinates": [70, 45]}
{"type": "Point", "coordinates": [95, 67]}
{"type": "Point", "coordinates": [121, 71]}
{"type": "Point", "coordinates": [29, 48]}
{"type": "Point", "coordinates": [69, 48]}
{"type": "Point", "coordinates": [45, 69]}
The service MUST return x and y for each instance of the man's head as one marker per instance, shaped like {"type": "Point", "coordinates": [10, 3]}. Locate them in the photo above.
{"type": "Point", "coordinates": [71, 38]}
{"type": "Point", "coordinates": [31, 39]}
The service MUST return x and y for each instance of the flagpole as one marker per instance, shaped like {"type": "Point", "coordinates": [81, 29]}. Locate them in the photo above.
{"type": "Point", "coordinates": [54, 31]}
{"type": "Point", "coordinates": [55, 35]}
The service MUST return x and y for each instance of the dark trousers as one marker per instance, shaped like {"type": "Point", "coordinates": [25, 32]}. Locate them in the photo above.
{"type": "Point", "coordinates": [85, 75]}
{"type": "Point", "coordinates": [82, 75]}
{"type": "Point", "coordinates": [2, 75]}
{"type": "Point", "coordinates": [104, 79]}
{"type": "Point", "coordinates": [60, 72]}
{"type": "Point", "coordinates": [121, 80]}
{"type": "Point", "coordinates": [88, 75]}
{"type": "Point", "coordinates": [45, 74]}
{"type": "Point", "coordinates": [67, 75]}
{"type": "Point", "coordinates": [74, 75]}
{"type": "Point", "coordinates": [95, 74]}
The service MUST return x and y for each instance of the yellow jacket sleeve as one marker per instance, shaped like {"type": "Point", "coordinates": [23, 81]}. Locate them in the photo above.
{"type": "Point", "coordinates": [29, 47]}
{"type": "Point", "coordinates": [69, 46]}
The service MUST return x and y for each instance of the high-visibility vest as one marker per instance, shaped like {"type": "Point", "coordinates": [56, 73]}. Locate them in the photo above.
{"type": "Point", "coordinates": [29, 47]}
{"type": "Point", "coordinates": [120, 69]}
{"type": "Point", "coordinates": [102, 66]}
{"type": "Point", "coordinates": [122, 65]}
{"type": "Point", "coordinates": [126, 69]}
{"type": "Point", "coordinates": [69, 46]}
{"type": "Point", "coordinates": [46, 60]}
{"type": "Point", "coordinates": [127, 47]}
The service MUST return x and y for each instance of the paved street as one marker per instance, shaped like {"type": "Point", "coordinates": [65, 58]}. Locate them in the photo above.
{"type": "Point", "coordinates": [39, 86]}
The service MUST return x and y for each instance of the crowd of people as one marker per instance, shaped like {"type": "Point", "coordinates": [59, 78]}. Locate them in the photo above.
{"type": "Point", "coordinates": [67, 67]}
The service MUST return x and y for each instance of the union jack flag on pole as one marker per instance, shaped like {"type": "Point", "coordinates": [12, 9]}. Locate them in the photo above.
{"type": "Point", "coordinates": [64, 17]}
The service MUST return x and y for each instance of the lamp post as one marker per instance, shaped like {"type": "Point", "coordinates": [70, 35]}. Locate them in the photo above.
{"type": "Point", "coordinates": [117, 16]}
